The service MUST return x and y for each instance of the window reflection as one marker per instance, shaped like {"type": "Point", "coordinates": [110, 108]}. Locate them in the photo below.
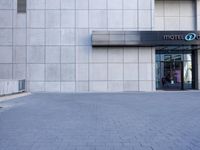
{"type": "Point", "coordinates": [174, 70]}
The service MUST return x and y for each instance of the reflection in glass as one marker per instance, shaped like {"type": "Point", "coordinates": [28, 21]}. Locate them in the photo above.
{"type": "Point", "coordinates": [174, 70]}
{"type": "Point", "coordinates": [187, 75]}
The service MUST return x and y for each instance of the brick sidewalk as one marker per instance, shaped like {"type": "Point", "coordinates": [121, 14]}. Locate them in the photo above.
{"type": "Point", "coordinates": [124, 121]}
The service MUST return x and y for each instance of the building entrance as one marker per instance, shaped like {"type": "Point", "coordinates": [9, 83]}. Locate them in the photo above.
{"type": "Point", "coordinates": [174, 70]}
{"type": "Point", "coordinates": [172, 75]}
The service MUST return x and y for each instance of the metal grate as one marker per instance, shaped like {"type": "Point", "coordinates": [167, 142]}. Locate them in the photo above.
{"type": "Point", "coordinates": [21, 6]}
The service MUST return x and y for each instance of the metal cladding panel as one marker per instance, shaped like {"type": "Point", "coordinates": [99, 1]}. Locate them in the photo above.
{"type": "Point", "coordinates": [145, 38]}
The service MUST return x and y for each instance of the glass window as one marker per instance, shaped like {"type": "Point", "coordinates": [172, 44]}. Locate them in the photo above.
{"type": "Point", "coordinates": [21, 6]}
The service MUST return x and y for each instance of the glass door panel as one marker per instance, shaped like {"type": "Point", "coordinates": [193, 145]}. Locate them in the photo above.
{"type": "Point", "coordinates": [172, 76]}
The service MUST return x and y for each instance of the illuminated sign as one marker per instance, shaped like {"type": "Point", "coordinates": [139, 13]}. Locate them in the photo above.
{"type": "Point", "coordinates": [191, 37]}
{"type": "Point", "coordinates": [187, 37]}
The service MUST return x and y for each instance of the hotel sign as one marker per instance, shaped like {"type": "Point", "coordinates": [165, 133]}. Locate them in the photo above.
{"type": "Point", "coordinates": [188, 37]}
{"type": "Point", "coordinates": [145, 38]}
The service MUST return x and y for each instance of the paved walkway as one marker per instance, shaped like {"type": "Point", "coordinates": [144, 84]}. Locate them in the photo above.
{"type": "Point", "coordinates": [124, 121]}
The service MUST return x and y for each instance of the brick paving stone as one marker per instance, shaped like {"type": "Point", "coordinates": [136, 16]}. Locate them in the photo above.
{"type": "Point", "coordinates": [101, 121]}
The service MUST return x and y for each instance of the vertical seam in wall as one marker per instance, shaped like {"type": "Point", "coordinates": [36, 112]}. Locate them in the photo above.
{"type": "Point", "coordinates": [138, 12]}
{"type": "Point", "coordinates": [90, 49]}
{"type": "Point", "coordinates": [26, 48]}
{"type": "Point", "coordinates": [75, 45]}
{"type": "Point", "coordinates": [45, 65]}
{"type": "Point", "coordinates": [164, 19]}
{"type": "Point", "coordinates": [138, 48]}
{"type": "Point", "coordinates": [138, 53]}
{"type": "Point", "coordinates": [180, 15]}
{"type": "Point", "coordinates": [152, 14]}
{"type": "Point", "coordinates": [152, 48]}
{"type": "Point", "coordinates": [12, 40]}
{"type": "Point", "coordinates": [123, 47]}
{"type": "Point", "coordinates": [107, 47]}
{"type": "Point", "coordinates": [195, 14]}
{"type": "Point", "coordinates": [152, 69]}
{"type": "Point", "coordinates": [60, 50]}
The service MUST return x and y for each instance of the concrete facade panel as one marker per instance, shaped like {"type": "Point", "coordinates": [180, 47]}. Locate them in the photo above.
{"type": "Point", "coordinates": [52, 19]}
{"type": "Point", "coordinates": [98, 86]}
{"type": "Point", "coordinates": [52, 72]}
{"type": "Point", "coordinates": [82, 18]}
{"type": "Point", "coordinates": [19, 20]}
{"type": "Point", "coordinates": [98, 18]}
{"type": "Point", "coordinates": [35, 4]}
{"type": "Point", "coordinates": [131, 55]}
{"type": "Point", "coordinates": [6, 54]}
{"type": "Point", "coordinates": [53, 4]}
{"type": "Point", "coordinates": [52, 37]}
{"type": "Point", "coordinates": [130, 19]}
{"type": "Point", "coordinates": [145, 71]}
{"type": "Point", "coordinates": [97, 4]}
{"type": "Point", "coordinates": [68, 18]}
{"type": "Point", "coordinates": [130, 4]}
{"type": "Point", "coordinates": [82, 54]}
{"type": "Point", "coordinates": [19, 37]}
{"type": "Point", "coordinates": [68, 54]}
{"type": "Point", "coordinates": [82, 86]}
{"type": "Point", "coordinates": [6, 36]}
{"type": "Point", "coordinates": [52, 54]}
{"type": "Point", "coordinates": [51, 42]}
{"type": "Point", "coordinates": [68, 72]}
{"type": "Point", "coordinates": [35, 36]}
{"type": "Point", "coordinates": [115, 19]}
{"type": "Point", "coordinates": [52, 86]}
{"type": "Point", "coordinates": [19, 54]}
{"type": "Point", "coordinates": [115, 72]}
{"type": "Point", "coordinates": [115, 86]}
{"type": "Point", "coordinates": [82, 73]}
{"type": "Point", "coordinates": [145, 86]}
{"type": "Point", "coordinates": [35, 54]}
{"type": "Point", "coordinates": [6, 18]}
{"type": "Point", "coordinates": [98, 72]}
{"type": "Point", "coordinates": [19, 71]}
{"type": "Point", "coordinates": [115, 4]}
{"type": "Point", "coordinates": [36, 86]}
{"type": "Point", "coordinates": [36, 18]}
{"type": "Point", "coordinates": [6, 4]}
{"type": "Point", "coordinates": [131, 71]}
{"type": "Point", "coordinates": [6, 71]}
{"type": "Point", "coordinates": [80, 4]}
{"type": "Point", "coordinates": [145, 4]}
{"type": "Point", "coordinates": [68, 87]}
{"type": "Point", "coordinates": [69, 4]}
{"type": "Point", "coordinates": [131, 86]}
{"type": "Point", "coordinates": [36, 72]}
{"type": "Point", "coordinates": [115, 55]}
{"type": "Point", "coordinates": [67, 37]}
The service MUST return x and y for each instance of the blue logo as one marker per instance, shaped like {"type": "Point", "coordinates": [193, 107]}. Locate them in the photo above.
{"type": "Point", "coordinates": [190, 37]}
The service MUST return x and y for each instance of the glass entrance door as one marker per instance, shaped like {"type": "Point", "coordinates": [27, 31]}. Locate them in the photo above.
{"type": "Point", "coordinates": [174, 70]}
{"type": "Point", "coordinates": [172, 75]}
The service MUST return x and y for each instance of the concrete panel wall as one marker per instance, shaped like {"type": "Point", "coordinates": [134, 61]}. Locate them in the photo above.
{"type": "Point", "coordinates": [50, 45]}
{"type": "Point", "coordinates": [174, 15]}
{"type": "Point", "coordinates": [6, 39]}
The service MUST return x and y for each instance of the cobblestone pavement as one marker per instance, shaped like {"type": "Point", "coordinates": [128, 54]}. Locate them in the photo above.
{"type": "Point", "coordinates": [123, 121]}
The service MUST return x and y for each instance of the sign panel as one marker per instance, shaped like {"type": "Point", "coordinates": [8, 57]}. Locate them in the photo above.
{"type": "Point", "coordinates": [146, 38]}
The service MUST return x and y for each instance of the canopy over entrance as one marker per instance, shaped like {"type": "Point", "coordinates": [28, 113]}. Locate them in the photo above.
{"type": "Point", "coordinates": [145, 38]}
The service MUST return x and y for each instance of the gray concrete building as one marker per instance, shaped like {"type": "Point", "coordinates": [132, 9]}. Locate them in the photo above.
{"type": "Point", "coordinates": [101, 45]}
